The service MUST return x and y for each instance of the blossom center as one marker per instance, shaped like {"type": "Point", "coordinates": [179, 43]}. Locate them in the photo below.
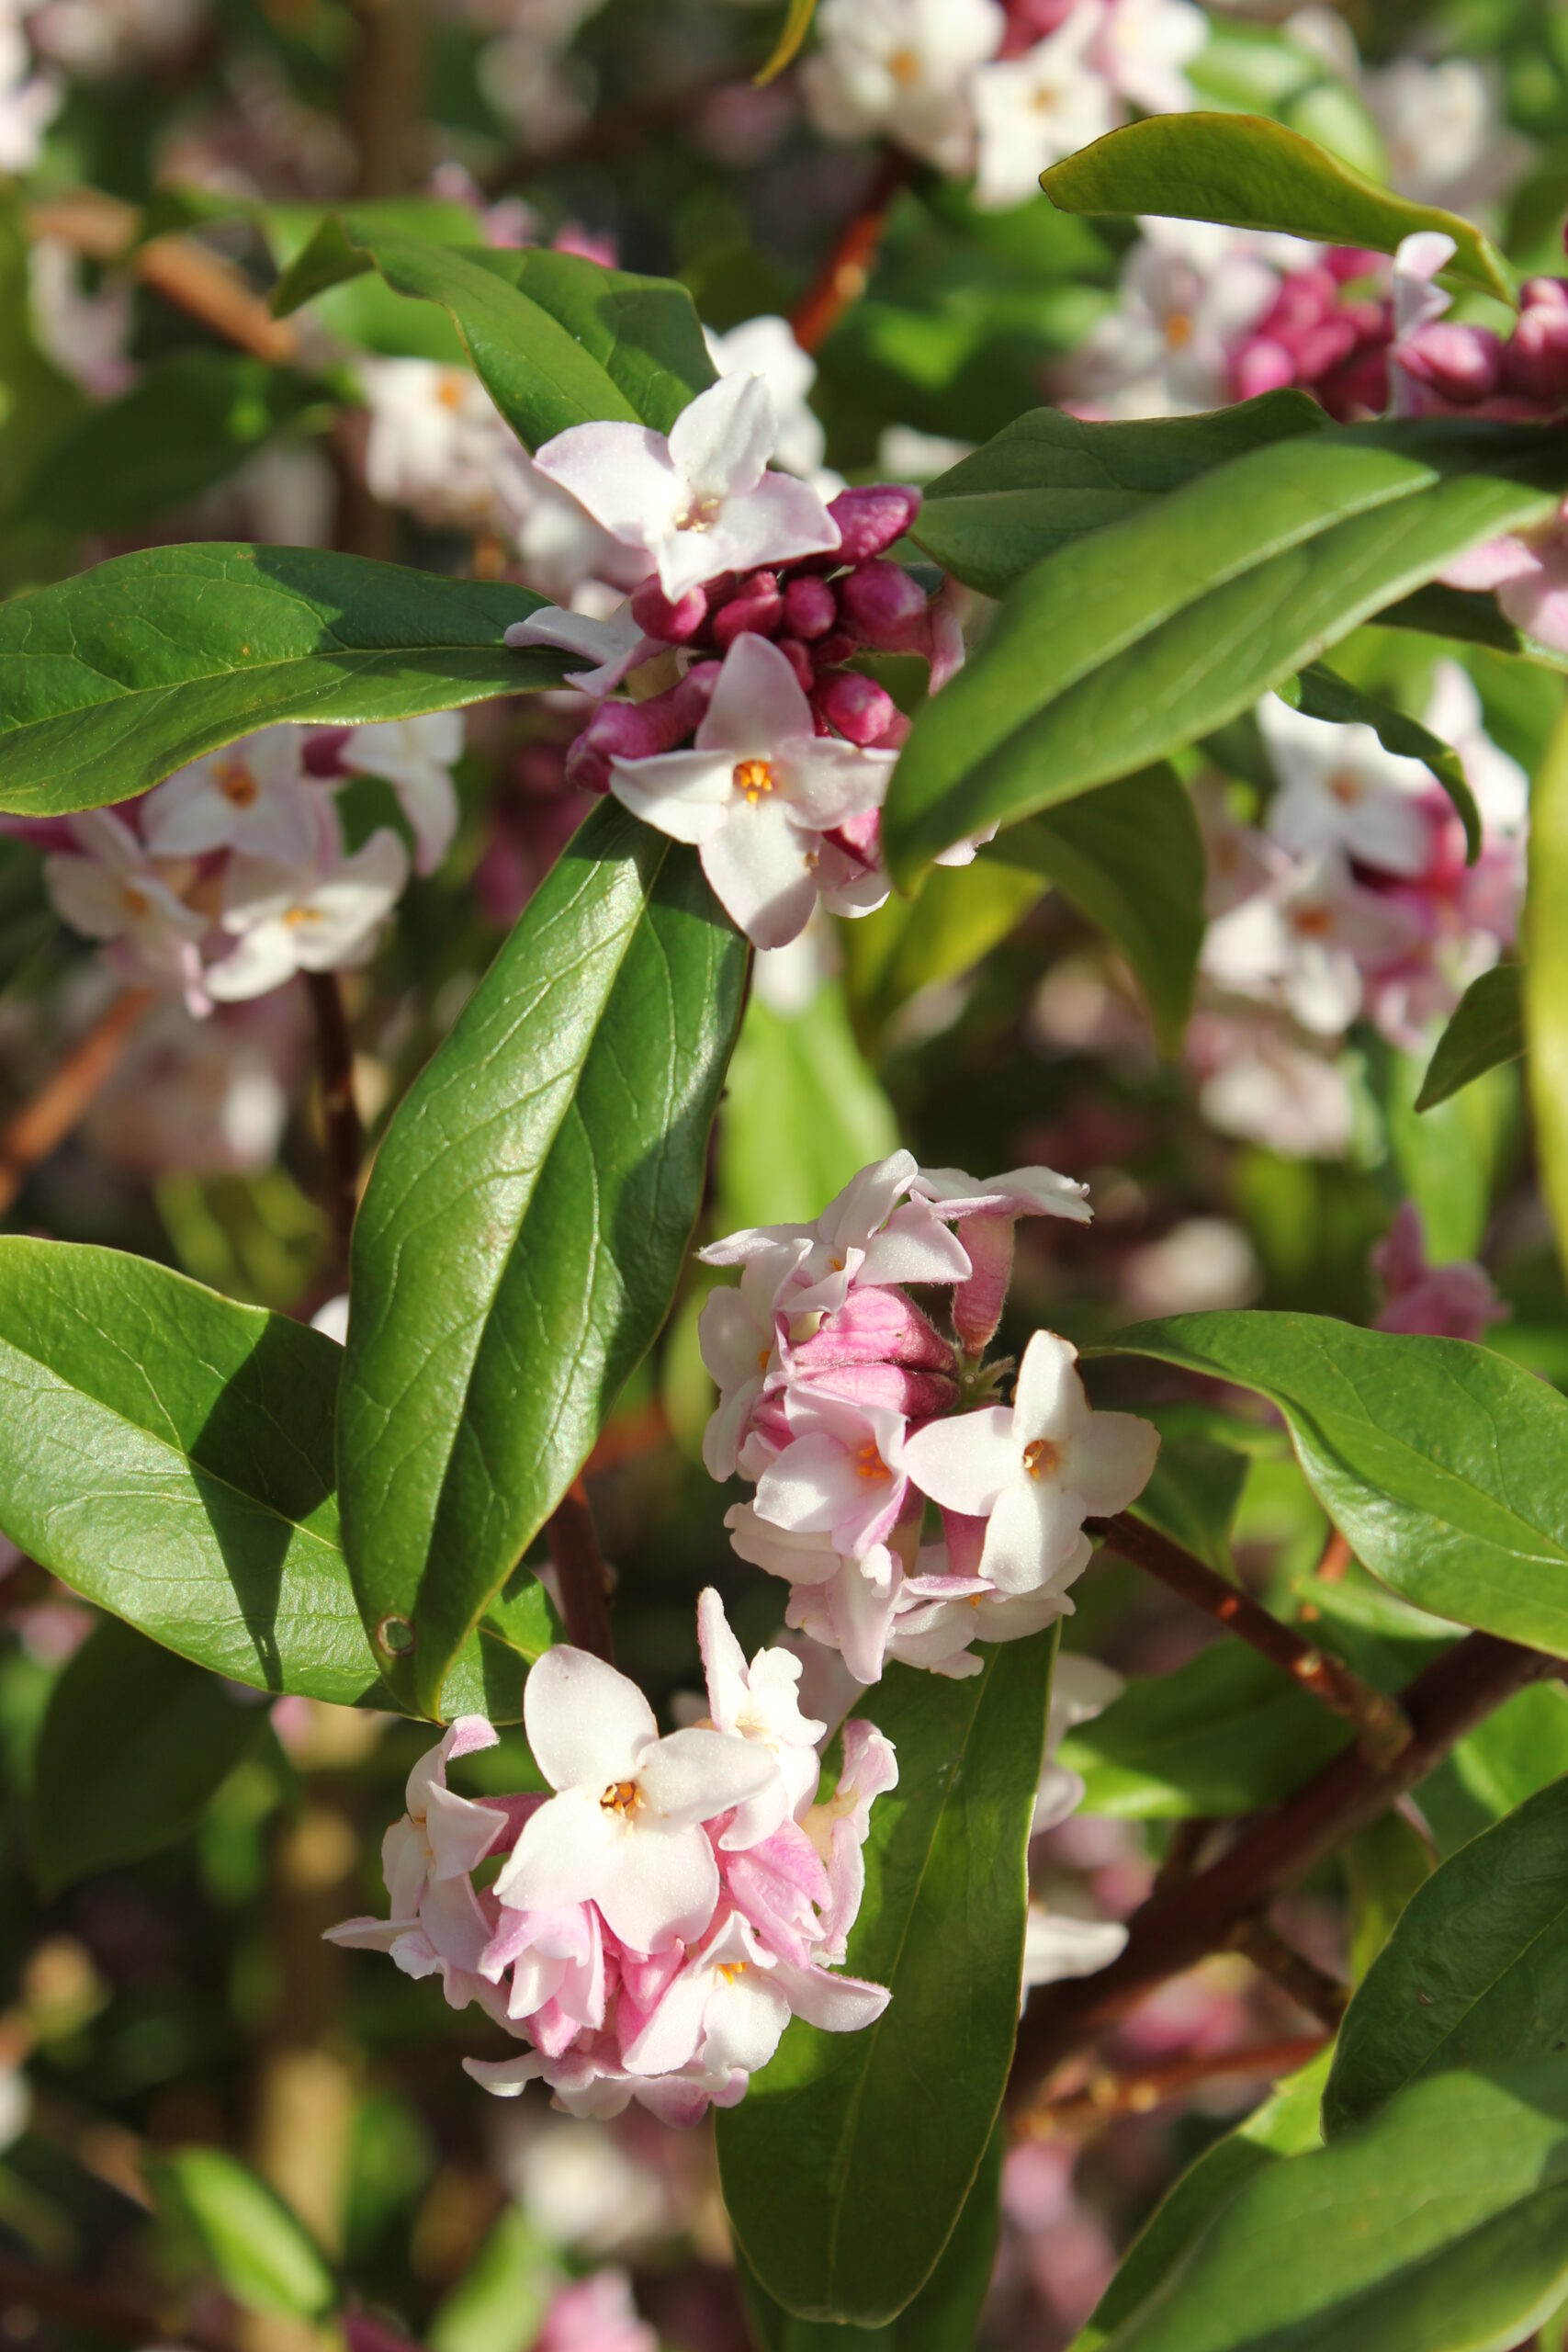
{"type": "Point", "coordinates": [1040, 1458]}
{"type": "Point", "coordinates": [753, 778]}
{"type": "Point", "coordinates": [868, 1461]}
{"type": "Point", "coordinates": [701, 514]}
{"type": "Point", "coordinates": [730, 1969]}
{"type": "Point", "coordinates": [134, 902]}
{"type": "Point", "coordinates": [236, 782]}
{"type": "Point", "coordinates": [620, 1796]}
{"type": "Point", "coordinates": [1344, 788]}
{"type": "Point", "coordinates": [449, 391]}
{"type": "Point", "coordinates": [1179, 330]}
{"type": "Point", "coordinates": [905, 67]}
{"type": "Point", "coordinates": [1313, 923]}
{"type": "Point", "coordinates": [295, 916]}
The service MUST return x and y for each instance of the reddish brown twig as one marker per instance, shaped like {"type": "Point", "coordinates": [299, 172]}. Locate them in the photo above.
{"type": "Point", "coordinates": [1107, 2096]}
{"type": "Point", "coordinates": [580, 1565]}
{"type": "Point", "coordinates": [845, 275]}
{"type": "Point", "coordinates": [1382, 1729]}
{"type": "Point", "coordinates": [629, 1435]}
{"type": "Point", "coordinates": [185, 273]}
{"type": "Point", "coordinates": [1175, 1929]}
{"type": "Point", "coordinates": [1321, 1995]}
{"type": "Point", "coordinates": [1335, 1564]}
{"type": "Point", "coordinates": [340, 1112]}
{"type": "Point", "coordinates": [41, 1126]}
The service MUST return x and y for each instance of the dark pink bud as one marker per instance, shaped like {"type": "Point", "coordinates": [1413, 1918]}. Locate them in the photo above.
{"type": "Point", "coordinates": [857, 707]}
{"type": "Point", "coordinates": [1261, 365]}
{"type": "Point", "coordinates": [635, 730]}
{"type": "Point", "coordinates": [874, 1326]}
{"type": "Point", "coordinates": [883, 604]}
{"type": "Point", "coordinates": [1535, 361]}
{"type": "Point", "coordinates": [321, 753]}
{"type": "Point", "coordinates": [837, 646]}
{"type": "Point", "coordinates": [1544, 294]}
{"type": "Point", "coordinates": [977, 1302]}
{"type": "Point", "coordinates": [861, 837]}
{"type": "Point", "coordinates": [798, 656]}
{"type": "Point", "coordinates": [810, 607]}
{"type": "Point", "coordinates": [1350, 261]}
{"type": "Point", "coordinates": [1460, 364]}
{"type": "Point", "coordinates": [870, 519]}
{"type": "Point", "coordinates": [756, 607]}
{"type": "Point", "coordinates": [672, 623]}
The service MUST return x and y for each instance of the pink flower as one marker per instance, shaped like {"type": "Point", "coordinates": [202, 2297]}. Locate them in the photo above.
{"type": "Point", "coordinates": [595, 2314]}
{"type": "Point", "coordinates": [988, 1212]}
{"type": "Point", "coordinates": [840, 1476]}
{"type": "Point", "coordinates": [1307, 943]}
{"type": "Point", "coordinates": [1529, 572]}
{"type": "Point", "coordinates": [838, 1827]}
{"type": "Point", "coordinates": [760, 1702]}
{"type": "Point", "coordinates": [1452, 1302]}
{"type": "Point", "coordinates": [871, 1233]}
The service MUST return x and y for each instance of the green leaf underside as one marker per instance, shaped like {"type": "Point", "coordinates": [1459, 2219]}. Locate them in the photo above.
{"type": "Point", "coordinates": [1318, 693]}
{"type": "Point", "coordinates": [556, 341]}
{"type": "Point", "coordinates": [134, 1742]}
{"type": "Point", "coordinates": [1440, 2226]}
{"type": "Point", "coordinates": [831, 2226]}
{"type": "Point", "coordinates": [525, 1227]}
{"type": "Point", "coordinates": [118, 677]}
{"type": "Point", "coordinates": [1135, 641]}
{"type": "Point", "coordinates": [1049, 479]}
{"type": "Point", "coordinates": [1476, 1974]}
{"type": "Point", "coordinates": [247, 2236]}
{"type": "Point", "coordinates": [1487, 1030]}
{"type": "Point", "coordinates": [1130, 856]}
{"type": "Point", "coordinates": [1250, 172]}
{"type": "Point", "coordinates": [179, 1474]}
{"type": "Point", "coordinates": [1441, 1463]}
{"type": "Point", "coordinates": [945, 2312]}
{"type": "Point", "coordinates": [1545, 985]}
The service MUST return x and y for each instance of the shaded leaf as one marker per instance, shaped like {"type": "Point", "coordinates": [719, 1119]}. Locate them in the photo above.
{"type": "Point", "coordinates": [1486, 1031]}
{"type": "Point", "coordinates": [1318, 693]}
{"type": "Point", "coordinates": [259, 2253]}
{"type": "Point", "coordinates": [1545, 984]}
{"type": "Point", "coordinates": [803, 1113]}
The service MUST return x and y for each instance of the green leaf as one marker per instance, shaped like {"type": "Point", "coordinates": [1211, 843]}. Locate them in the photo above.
{"type": "Point", "coordinates": [1253, 174]}
{"type": "Point", "coordinates": [1318, 693]}
{"type": "Point", "coordinates": [802, 1114]}
{"type": "Point", "coordinates": [943, 2315]}
{"type": "Point", "coordinates": [1476, 1974]}
{"type": "Point", "coordinates": [524, 1229]}
{"type": "Point", "coordinates": [786, 48]}
{"type": "Point", "coordinates": [956, 918]}
{"type": "Point", "coordinates": [1130, 856]}
{"type": "Point", "coordinates": [142, 664]}
{"type": "Point", "coordinates": [1438, 2226]}
{"type": "Point", "coordinates": [1385, 1864]}
{"type": "Point", "coordinates": [186, 423]}
{"type": "Point", "coordinates": [1487, 1030]}
{"type": "Point", "coordinates": [1546, 975]}
{"type": "Point", "coordinates": [1285, 2125]}
{"type": "Point", "coordinates": [1127, 645]}
{"type": "Point", "coordinates": [499, 2303]}
{"type": "Point", "coordinates": [833, 2225]}
{"type": "Point", "coordinates": [1440, 1463]}
{"type": "Point", "coordinates": [1193, 1492]}
{"type": "Point", "coordinates": [134, 1743]}
{"type": "Point", "coordinates": [169, 1455]}
{"type": "Point", "coordinates": [247, 2236]}
{"type": "Point", "coordinates": [556, 340]}
{"type": "Point", "coordinates": [1049, 479]}
{"type": "Point", "coordinates": [1225, 1734]}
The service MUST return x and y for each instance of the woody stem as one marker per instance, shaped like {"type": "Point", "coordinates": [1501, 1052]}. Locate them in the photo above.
{"type": "Point", "coordinates": [573, 1543]}
{"type": "Point", "coordinates": [340, 1112]}
{"type": "Point", "coordinates": [41, 1126]}
{"type": "Point", "coordinates": [846, 273]}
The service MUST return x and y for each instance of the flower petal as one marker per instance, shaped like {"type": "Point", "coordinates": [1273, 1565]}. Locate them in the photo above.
{"type": "Point", "coordinates": [587, 1726]}
{"type": "Point", "coordinates": [661, 1887]}
{"type": "Point", "coordinates": [694, 1776]}
{"type": "Point", "coordinates": [963, 1462]}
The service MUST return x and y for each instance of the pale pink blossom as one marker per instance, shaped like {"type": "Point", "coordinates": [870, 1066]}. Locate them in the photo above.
{"type": "Point", "coordinates": [416, 757]}
{"type": "Point", "coordinates": [988, 1212]}
{"type": "Point", "coordinates": [1144, 47]}
{"type": "Point", "coordinates": [252, 795]}
{"type": "Point", "coordinates": [1189, 291]}
{"type": "Point", "coordinates": [1306, 944]}
{"type": "Point", "coordinates": [1032, 110]}
{"type": "Point", "coordinates": [1081, 1687]}
{"type": "Point", "coordinates": [1456, 1301]}
{"type": "Point", "coordinates": [1528, 569]}
{"type": "Point", "coordinates": [595, 2314]}
{"type": "Point", "coordinates": [109, 889]}
{"type": "Point", "coordinates": [766, 346]}
{"type": "Point", "coordinates": [901, 69]}
{"type": "Point", "coordinates": [840, 1475]}
{"type": "Point", "coordinates": [839, 1827]}
{"type": "Point", "coordinates": [736, 1332]}
{"type": "Point", "coordinates": [871, 1233]}
{"type": "Point", "coordinates": [1339, 789]}
{"type": "Point", "coordinates": [760, 1702]}
{"type": "Point", "coordinates": [308, 918]}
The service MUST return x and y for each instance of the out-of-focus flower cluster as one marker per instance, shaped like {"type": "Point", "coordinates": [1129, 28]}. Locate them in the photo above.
{"type": "Point", "coordinates": [853, 1411]}
{"type": "Point", "coordinates": [658, 1921]}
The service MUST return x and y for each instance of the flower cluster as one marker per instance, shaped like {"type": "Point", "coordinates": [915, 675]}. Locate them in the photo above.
{"type": "Point", "coordinates": [975, 87]}
{"type": "Point", "coordinates": [658, 1921]}
{"type": "Point", "coordinates": [851, 1411]}
{"type": "Point", "coordinates": [231, 877]}
{"type": "Point", "coordinates": [750, 735]}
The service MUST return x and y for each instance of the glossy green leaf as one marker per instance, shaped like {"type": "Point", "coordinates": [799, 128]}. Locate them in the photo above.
{"type": "Point", "coordinates": [1487, 1030]}
{"type": "Point", "coordinates": [134, 1743]}
{"type": "Point", "coordinates": [1130, 856]}
{"type": "Point", "coordinates": [1253, 174]}
{"type": "Point", "coordinates": [1546, 976]}
{"type": "Point", "coordinates": [524, 1229]}
{"type": "Point", "coordinates": [831, 2227]}
{"type": "Point", "coordinates": [246, 2235]}
{"type": "Point", "coordinates": [1127, 645]}
{"type": "Point", "coordinates": [1222, 1735]}
{"type": "Point", "coordinates": [1318, 693]}
{"type": "Point", "coordinates": [1476, 1972]}
{"type": "Point", "coordinates": [1049, 479]}
{"type": "Point", "coordinates": [180, 1474]}
{"type": "Point", "coordinates": [803, 1113]}
{"type": "Point", "coordinates": [943, 2315]}
{"type": "Point", "coordinates": [556, 340]}
{"type": "Point", "coordinates": [1258, 68]}
{"type": "Point", "coordinates": [185, 425]}
{"type": "Point", "coordinates": [1285, 2125]}
{"type": "Point", "coordinates": [1441, 1463]}
{"type": "Point", "coordinates": [117, 677]}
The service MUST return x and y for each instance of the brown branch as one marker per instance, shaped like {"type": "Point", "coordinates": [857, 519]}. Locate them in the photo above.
{"type": "Point", "coordinates": [384, 93]}
{"type": "Point", "coordinates": [1311, 1988]}
{"type": "Point", "coordinates": [41, 1126]}
{"type": "Point", "coordinates": [580, 1565]}
{"type": "Point", "coordinates": [1382, 1729]}
{"type": "Point", "coordinates": [185, 273]}
{"type": "Point", "coordinates": [1177, 1928]}
{"type": "Point", "coordinates": [1107, 2096]}
{"type": "Point", "coordinates": [845, 275]}
{"type": "Point", "coordinates": [23, 2289]}
{"type": "Point", "coordinates": [340, 1113]}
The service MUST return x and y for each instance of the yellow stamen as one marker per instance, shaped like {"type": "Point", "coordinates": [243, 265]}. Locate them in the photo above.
{"type": "Point", "coordinates": [1040, 1458]}
{"type": "Point", "coordinates": [754, 778]}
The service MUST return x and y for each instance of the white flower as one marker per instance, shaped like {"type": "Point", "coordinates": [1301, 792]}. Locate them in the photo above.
{"type": "Point", "coordinates": [611, 647]}
{"type": "Point", "coordinates": [1081, 1687]}
{"type": "Point", "coordinates": [623, 1829]}
{"type": "Point", "coordinates": [1340, 790]}
{"type": "Point", "coordinates": [1260, 1079]}
{"type": "Point", "coordinates": [766, 346]}
{"type": "Point", "coordinates": [1033, 109]}
{"type": "Point", "coordinates": [415, 756]}
{"type": "Point", "coordinates": [435, 441]}
{"type": "Point", "coordinates": [1145, 48]}
{"type": "Point", "coordinates": [302, 919]}
{"type": "Point", "coordinates": [1500, 784]}
{"type": "Point", "coordinates": [1055, 1945]}
{"type": "Point", "coordinates": [1307, 943]}
{"type": "Point", "coordinates": [84, 334]}
{"type": "Point", "coordinates": [252, 795]}
{"type": "Point", "coordinates": [870, 1234]}
{"type": "Point", "coordinates": [1188, 290]}
{"type": "Point", "coordinates": [702, 501]}
{"type": "Point", "coordinates": [1445, 136]}
{"type": "Point", "coordinates": [1036, 1471]}
{"type": "Point", "coordinates": [760, 1702]}
{"type": "Point", "coordinates": [902, 67]}
{"type": "Point", "coordinates": [757, 789]}
{"type": "Point", "coordinates": [112, 892]}
{"type": "Point", "coordinates": [28, 100]}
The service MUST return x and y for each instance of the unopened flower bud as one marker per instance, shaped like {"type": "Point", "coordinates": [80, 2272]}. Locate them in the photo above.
{"type": "Point", "coordinates": [1461, 363]}
{"type": "Point", "coordinates": [874, 1326]}
{"type": "Point", "coordinates": [870, 519]}
{"type": "Point", "coordinates": [857, 707]}
{"type": "Point", "coordinates": [756, 605]}
{"type": "Point", "coordinates": [1535, 360]}
{"type": "Point", "coordinates": [636, 730]}
{"type": "Point", "coordinates": [321, 756]}
{"type": "Point", "coordinates": [977, 1303]}
{"type": "Point", "coordinates": [798, 656]}
{"type": "Point", "coordinates": [810, 607]}
{"type": "Point", "coordinates": [672, 623]}
{"type": "Point", "coordinates": [885, 605]}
